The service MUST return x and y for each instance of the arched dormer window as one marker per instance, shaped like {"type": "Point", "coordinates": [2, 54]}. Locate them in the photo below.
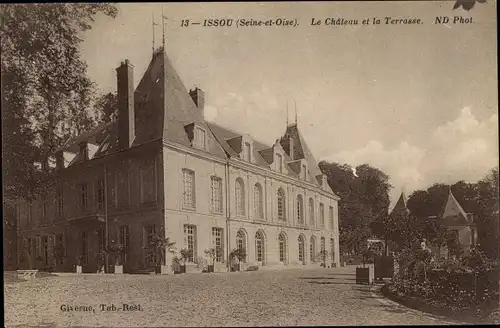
{"type": "Point", "coordinates": [281, 205]}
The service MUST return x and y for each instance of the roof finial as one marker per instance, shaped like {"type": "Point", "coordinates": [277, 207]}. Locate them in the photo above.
{"type": "Point", "coordinates": [295, 112]}
{"type": "Point", "coordinates": [154, 24]}
{"type": "Point", "coordinates": [163, 18]}
{"type": "Point", "coordinates": [287, 112]}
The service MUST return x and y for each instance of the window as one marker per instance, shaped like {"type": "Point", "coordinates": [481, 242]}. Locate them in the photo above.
{"type": "Point", "coordinates": [240, 197]}
{"type": "Point", "coordinates": [189, 200]}
{"type": "Point", "coordinates": [199, 138]}
{"type": "Point", "coordinates": [38, 247]}
{"type": "Point", "coordinates": [312, 249]}
{"type": "Point", "coordinates": [124, 238]}
{"type": "Point", "coordinates": [332, 249]}
{"type": "Point", "coordinates": [300, 210]}
{"type": "Point", "coordinates": [216, 194]}
{"type": "Point", "coordinates": [247, 155]}
{"type": "Point", "coordinates": [100, 194]}
{"type": "Point", "coordinates": [150, 231]}
{"type": "Point", "coordinates": [30, 213]}
{"type": "Point", "coordinates": [123, 187]}
{"type": "Point", "coordinates": [45, 249]}
{"type": "Point", "coordinates": [114, 190]}
{"type": "Point", "coordinates": [148, 182]}
{"type": "Point", "coordinates": [330, 217]}
{"type": "Point", "coordinates": [301, 249]}
{"type": "Point", "coordinates": [279, 163]}
{"type": "Point", "coordinates": [282, 248]}
{"type": "Point", "coordinates": [59, 202]}
{"type": "Point", "coordinates": [257, 201]}
{"type": "Point", "coordinates": [84, 247]}
{"type": "Point", "coordinates": [241, 243]}
{"type": "Point", "coordinates": [281, 205]}
{"type": "Point", "coordinates": [259, 246]}
{"type": "Point", "coordinates": [323, 246]}
{"type": "Point", "coordinates": [311, 211]}
{"type": "Point", "coordinates": [60, 247]}
{"type": "Point", "coordinates": [190, 240]}
{"type": "Point", "coordinates": [322, 214]}
{"type": "Point", "coordinates": [83, 198]}
{"type": "Point", "coordinates": [217, 243]}
{"type": "Point", "coordinates": [101, 239]}
{"type": "Point", "coordinates": [304, 172]}
{"type": "Point", "coordinates": [44, 207]}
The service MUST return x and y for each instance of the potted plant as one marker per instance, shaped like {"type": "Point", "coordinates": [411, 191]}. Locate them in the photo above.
{"type": "Point", "coordinates": [101, 259]}
{"type": "Point", "coordinates": [79, 260]}
{"type": "Point", "coordinates": [160, 246]}
{"type": "Point", "coordinates": [185, 256]}
{"type": "Point", "coordinates": [238, 254]}
{"type": "Point", "coordinates": [118, 251]}
{"type": "Point", "coordinates": [323, 255]}
{"type": "Point", "coordinates": [212, 253]}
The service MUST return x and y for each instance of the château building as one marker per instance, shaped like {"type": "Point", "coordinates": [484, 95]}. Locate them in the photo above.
{"type": "Point", "coordinates": [161, 169]}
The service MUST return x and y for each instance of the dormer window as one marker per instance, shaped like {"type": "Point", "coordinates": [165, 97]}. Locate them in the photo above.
{"type": "Point", "coordinates": [279, 163]}
{"type": "Point", "coordinates": [247, 153]}
{"type": "Point", "coordinates": [199, 138]}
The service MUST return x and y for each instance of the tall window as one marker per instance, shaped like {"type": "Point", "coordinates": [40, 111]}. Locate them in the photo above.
{"type": "Point", "coordinates": [199, 138]}
{"type": "Point", "coordinates": [114, 190]}
{"type": "Point", "coordinates": [322, 214]}
{"type": "Point", "coordinates": [301, 249]}
{"type": "Point", "coordinates": [304, 172]}
{"type": "Point", "coordinates": [124, 238]}
{"type": "Point", "coordinates": [240, 197]}
{"type": "Point", "coordinates": [100, 194]}
{"type": "Point", "coordinates": [332, 249]}
{"type": "Point", "coordinates": [38, 246]}
{"type": "Point", "coordinates": [282, 248]}
{"type": "Point", "coordinates": [83, 198]}
{"type": "Point", "coordinates": [241, 240]}
{"type": "Point", "coordinates": [61, 246]}
{"type": "Point", "coordinates": [30, 213]}
{"type": "Point", "coordinates": [45, 249]}
{"type": "Point", "coordinates": [259, 246]}
{"type": "Point", "coordinates": [150, 231]}
{"type": "Point", "coordinates": [323, 246]}
{"type": "Point", "coordinates": [312, 249]}
{"type": "Point", "coordinates": [300, 210]}
{"type": "Point", "coordinates": [84, 247]}
{"type": "Point", "coordinates": [216, 194]}
{"type": "Point", "coordinates": [257, 201]}
{"type": "Point", "coordinates": [281, 205]}
{"type": "Point", "coordinates": [189, 197]}
{"type": "Point", "coordinates": [279, 163]}
{"type": "Point", "coordinates": [311, 211]}
{"type": "Point", "coordinates": [190, 240]}
{"type": "Point", "coordinates": [123, 186]}
{"type": "Point", "coordinates": [44, 207]}
{"type": "Point", "coordinates": [59, 202]}
{"type": "Point", "coordinates": [147, 182]}
{"type": "Point", "coordinates": [217, 243]}
{"type": "Point", "coordinates": [247, 154]}
{"type": "Point", "coordinates": [330, 217]}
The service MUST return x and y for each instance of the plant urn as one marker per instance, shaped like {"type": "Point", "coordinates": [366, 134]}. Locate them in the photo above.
{"type": "Point", "coordinates": [211, 268]}
{"type": "Point", "coordinates": [79, 269]}
{"type": "Point", "coordinates": [118, 269]}
{"type": "Point", "coordinates": [165, 269]}
{"type": "Point", "coordinates": [183, 269]}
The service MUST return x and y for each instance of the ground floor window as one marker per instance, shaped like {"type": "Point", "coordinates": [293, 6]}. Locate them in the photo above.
{"type": "Point", "coordinates": [217, 243]}
{"type": "Point", "coordinates": [301, 249]}
{"type": "Point", "coordinates": [84, 247]}
{"type": "Point", "coordinates": [312, 250]}
{"type": "Point", "coordinates": [259, 247]}
{"type": "Point", "coordinates": [332, 249]}
{"type": "Point", "coordinates": [60, 248]}
{"type": "Point", "coordinates": [150, 231]}
{"type": "Point", "coordinates": [190, 240]}
{"type": "Point", "coordinates": [282, 248]}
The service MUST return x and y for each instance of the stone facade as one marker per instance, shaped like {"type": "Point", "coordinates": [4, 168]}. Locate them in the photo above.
{"type": "Point", "coordinates": [160, 169]}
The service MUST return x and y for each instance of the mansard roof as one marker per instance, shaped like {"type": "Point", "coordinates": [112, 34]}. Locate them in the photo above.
{"type": "Point", "coordinates": [453, 213]}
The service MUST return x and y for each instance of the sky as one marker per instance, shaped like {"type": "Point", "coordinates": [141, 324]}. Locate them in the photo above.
{"type": "Point", "coordinates": [418, 102]}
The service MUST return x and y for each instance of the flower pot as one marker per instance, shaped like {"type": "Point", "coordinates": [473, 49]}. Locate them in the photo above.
{"type": "Point", "coordinates": [79, 269]}
{"type": "Point", "coordinates": [182, 269]}
{"type": "Point", "coordinates": [363, 276]}
{"type": "Point", "coordinates": [118, 269]}
{"type": "Point", "coordinates": [211, 268]}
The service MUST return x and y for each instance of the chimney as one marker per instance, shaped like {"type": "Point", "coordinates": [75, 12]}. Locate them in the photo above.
{"type": "Point", "coordinates": [59, 160]}
{"type": "Point", "coordinates": [198, 97]}
{"type": "Point", "coordinates": [126, 116]}
{"type": "Point", "coordinates": [84, 151]}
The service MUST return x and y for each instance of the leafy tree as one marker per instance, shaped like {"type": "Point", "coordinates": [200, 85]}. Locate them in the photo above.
{"type": "Point", "coordinates": [107, 107]}
{"type": "Point", "coordinates": [46, 94]}
{"type": "Point", "coordinates": [364, 198]}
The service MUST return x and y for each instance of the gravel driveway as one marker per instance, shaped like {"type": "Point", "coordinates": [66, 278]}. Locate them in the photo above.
{"type": "Point", "coordinates": [259, 298]}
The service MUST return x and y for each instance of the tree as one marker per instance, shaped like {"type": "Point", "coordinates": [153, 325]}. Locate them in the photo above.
{"type": "Point", "coordinates": [46, 94]}
{"type": "Point", "coordinates": [364, 199]}
{"type": "Point", "coordinates": [107, 107]}
{"type": "Point", "coordinates": [487, 215]}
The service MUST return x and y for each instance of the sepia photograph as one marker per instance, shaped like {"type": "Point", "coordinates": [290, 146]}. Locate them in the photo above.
{"type": "Point", "coordinates": [227, 164]}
